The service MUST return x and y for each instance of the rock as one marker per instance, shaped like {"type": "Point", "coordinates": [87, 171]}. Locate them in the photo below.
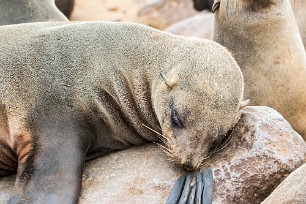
{"type": "Point", "coordinates": [291, 190]}
{"type": "Point", "coordinates": [136, 175]}
{"type": "Point", "coordinates": [106, 10]}
{"type": "Point", "coordinates": [263, 150]}
{"type": "Point", "coordinates": [199, 25]}
{"type": "Point", "coordinates": [162, 13]}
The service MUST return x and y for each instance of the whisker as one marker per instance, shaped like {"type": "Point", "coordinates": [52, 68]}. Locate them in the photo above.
{"type": "Point", "coordinates": [226, 143]}
{"type": "Point", "coordinates": [163, 147]}
{"type": "Point", "coordinates": [159, 134]}
{"type": "Point", "coordinates": [221, 143]}
{"type": "Point", "coordinates": [207, 157]}
{"type": "Point", "coordinates": [203, 164]}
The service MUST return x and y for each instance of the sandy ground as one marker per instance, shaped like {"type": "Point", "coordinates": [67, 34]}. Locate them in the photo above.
{"type": "Point", "coordinates": [107, 10]}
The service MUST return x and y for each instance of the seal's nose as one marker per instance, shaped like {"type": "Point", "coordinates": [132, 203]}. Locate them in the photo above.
{"type": "Point", "coordinates": [188, 166]}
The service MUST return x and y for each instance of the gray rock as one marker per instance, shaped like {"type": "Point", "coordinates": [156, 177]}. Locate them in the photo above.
{"type": "Point", "coordinates": [162, 13]}
{"type": "Point", "coordinates": [291, 190]}
{"type": "Point", "coordinates": [264, 149]}
{"type": "Point", "coordinates": [199, 25]}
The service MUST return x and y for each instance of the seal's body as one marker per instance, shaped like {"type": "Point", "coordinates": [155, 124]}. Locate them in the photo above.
{"type": "Point", "coordinates": [24, 11]}
{"type": "Point", "coordinates": [201, 5]}
{"type": "Point", "coordinates": [265, 41]}
{"type": "Point", "coordinates": [65, 6]}
{"type": "Point", "coordinates": [74, 91]}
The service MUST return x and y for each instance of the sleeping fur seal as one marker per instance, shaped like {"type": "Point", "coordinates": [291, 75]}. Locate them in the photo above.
{"type": "Point", "coordinates": [265, 41]}
{"type": "Point", "coordinates": [71, 92]}
{"type": "Point", "coordinates": [24, 11]}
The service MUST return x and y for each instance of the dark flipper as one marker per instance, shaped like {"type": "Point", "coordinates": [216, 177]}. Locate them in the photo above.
{"type": "Point", "coordinates": [52, 173]}
{"type": "Point", "coordinates": [208, 186]}
{"type": "Point", "coordinates": [177, 190]}
{"type": "Point", "coordinates": [186, 190]}
{"type": "Point", "coordinates": [199, 188]}
{"type": "Point", "coordinates": [200, 193]}
{"type": "Point", "coordinates": [192, 195]}
{"type": "Point", "coordinates": [201, 5]}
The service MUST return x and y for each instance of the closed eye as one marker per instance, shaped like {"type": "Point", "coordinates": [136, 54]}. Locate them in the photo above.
{"type": "Point", "coordinates": [175, 120]}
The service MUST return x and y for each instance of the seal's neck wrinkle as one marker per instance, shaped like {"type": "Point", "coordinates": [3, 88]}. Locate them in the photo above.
{"type": "Point", "coordinates": [134, 99]}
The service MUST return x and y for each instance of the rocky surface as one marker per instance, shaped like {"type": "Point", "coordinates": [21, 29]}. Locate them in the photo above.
{"type": "Point", "coordinates": [107, 10]}
{"type": "Point", "coordinates": [137, 175]}
{"type": "Point", "coordinates": [263, 150]}
{"type": "Point", "coordinates": [199, 25]}
{"type": "Point", "coordinates": [162, 13]}
{"type": "Point", "coordinates": [292, 190]}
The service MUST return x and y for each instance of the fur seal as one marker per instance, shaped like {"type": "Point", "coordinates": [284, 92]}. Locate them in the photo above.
{"type": "Point", "coordinates": [201, 5]}
{"type": "Point", "coordinates": [71, 92]}
{"type": "Point", "coordinates": [265, 41]}
{"type": "Point", "coordinates": [65, 6]}
{"type": "Point", "coordinates": [24, 11]}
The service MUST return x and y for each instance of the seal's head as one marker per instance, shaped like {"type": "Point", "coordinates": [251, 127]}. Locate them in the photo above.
{"type": "Point", "coordinates": [197, 102]}
{"type": "Point", "coordinates": [249, 13]}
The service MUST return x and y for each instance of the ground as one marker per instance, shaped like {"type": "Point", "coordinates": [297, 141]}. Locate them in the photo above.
{"type": "Point", "coordinates": [107, 10]}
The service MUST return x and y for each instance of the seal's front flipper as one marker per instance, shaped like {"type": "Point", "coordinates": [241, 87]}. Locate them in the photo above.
{"type": "Point", "coordinates": [186, 190]}
{"type": "Point", "coordinates": [199, 187]}
{"type": "Point", "coordinates": [208, 186]}
{"type": "Point", "coordinates": [52, 173]}
{"type": "Point", "coordinates": [193, 189]}
{"type": "Point", "coordinates": [176, 190]}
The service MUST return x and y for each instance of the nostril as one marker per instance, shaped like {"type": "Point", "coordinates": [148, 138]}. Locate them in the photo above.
{"type": "Point", "coordinates": [188, 166]}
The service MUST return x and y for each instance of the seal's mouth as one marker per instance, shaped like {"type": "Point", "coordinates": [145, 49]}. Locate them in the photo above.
{"type": "Point", "coordinates": [219, 144]}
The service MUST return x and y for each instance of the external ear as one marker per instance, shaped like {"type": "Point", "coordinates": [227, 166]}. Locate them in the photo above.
{"type": "Point", "coordinates": [215, 6]}
{"type": "Point", "coordinates": [169, 82]}
{"type": "Point", "coordinates": [244, 103]}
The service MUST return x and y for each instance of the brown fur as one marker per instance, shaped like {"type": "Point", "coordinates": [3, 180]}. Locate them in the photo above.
{"type": "Point", "coordinates": [269, 50]}
{"type": "Point", "coordinates": [77, 90]}
{"type": "Point", "coordinates": [65, 6]}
